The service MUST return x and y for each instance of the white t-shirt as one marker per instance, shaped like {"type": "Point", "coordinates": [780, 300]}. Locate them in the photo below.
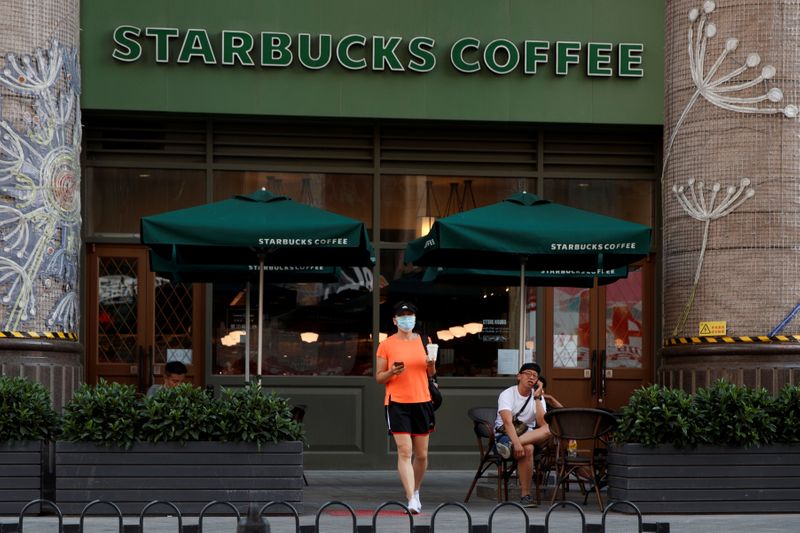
{"type": "Point", "coordinates": [511, 400]}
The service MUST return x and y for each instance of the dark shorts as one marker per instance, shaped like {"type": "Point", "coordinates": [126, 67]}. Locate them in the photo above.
{"type": "Point", "coordinates": [410, 418]}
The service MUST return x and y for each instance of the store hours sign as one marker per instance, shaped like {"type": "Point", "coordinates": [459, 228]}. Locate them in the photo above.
{"type": "Point", "coordinates": [353, 52]}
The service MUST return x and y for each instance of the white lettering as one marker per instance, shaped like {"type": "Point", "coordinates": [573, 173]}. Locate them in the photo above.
{"type": "Point", "coordinates": [338, 241]}
{"type": "Point", "coordinates": [557, 246]}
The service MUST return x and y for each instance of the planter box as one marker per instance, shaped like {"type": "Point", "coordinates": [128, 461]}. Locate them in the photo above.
{"type": "Point", "coordinates": [20, 475]}
{"type": "Point", "coordinates": [706, 479]}
{"type": "Point", "coordinates": [189, 476]}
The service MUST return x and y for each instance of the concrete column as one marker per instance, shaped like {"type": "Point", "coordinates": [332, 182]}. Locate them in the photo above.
{"type": "Point", "coordinates": [730, 190]}
{"type": "Point", "coordinates": [40, 193]}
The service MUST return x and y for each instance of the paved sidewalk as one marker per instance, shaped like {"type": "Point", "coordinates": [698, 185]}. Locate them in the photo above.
{"type": "Point", "coordinates": [364, 491]}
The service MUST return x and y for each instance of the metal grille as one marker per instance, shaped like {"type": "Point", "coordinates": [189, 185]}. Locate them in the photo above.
{"type": "Point", "coordinates": [118, 320]}
{"type": "Point", "coordinates": [580, 151]}
{"type": "Point", "coordinates": [279, 145]}
{"type": "Point", "coordinates": [471, 150]}
{"type": "Point", "coordinates": [144, 139]}
{"type": "Point", "coordinates": [601, 152]}
{"type": "Point", "coordinates": [173, 322]}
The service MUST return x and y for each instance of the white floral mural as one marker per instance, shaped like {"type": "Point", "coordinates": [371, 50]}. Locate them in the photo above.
{"type": "Point", "coordinates": [718, 82]}
{"type": "Point", "coordinates": [40, 191]}
{"type": "Point", "coordinates": [733, 81]}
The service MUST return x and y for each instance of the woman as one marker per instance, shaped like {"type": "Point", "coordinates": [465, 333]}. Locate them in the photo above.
{"type": "Point", "coordinates": [403, 366]}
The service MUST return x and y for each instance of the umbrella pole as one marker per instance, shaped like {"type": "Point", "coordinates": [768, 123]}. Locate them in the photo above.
{"type": "Point", "coordinates": [260, 311]}
{"type": "Point", "coordinates": [522, 302]}
{"type": "Point", "coordinates": [247, 333]}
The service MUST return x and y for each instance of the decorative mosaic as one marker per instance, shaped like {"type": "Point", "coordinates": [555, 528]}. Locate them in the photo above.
{"type": "Point", "coordinates": [40, 209]}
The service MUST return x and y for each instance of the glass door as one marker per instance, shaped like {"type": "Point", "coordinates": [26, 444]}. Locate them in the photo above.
{"type": "Point", "coordinates": [598, 346]}
{"type": "Point", "coordinates": [136, 321]}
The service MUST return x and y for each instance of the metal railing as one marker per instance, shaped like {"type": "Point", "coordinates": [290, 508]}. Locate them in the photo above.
{"type": "Point", "coordinates": [257, 520]}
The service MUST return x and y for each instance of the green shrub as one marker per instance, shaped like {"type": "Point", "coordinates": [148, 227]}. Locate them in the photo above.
{"type": "Point", "coordinates": [249, 415]}
{"type": "Point", "coordinates": [786, 413]}
{"type": "Point", "coordinates": [109, 413]}
{"type": "Point", "coordinates": [729, 415]}
{"type": "Point", "coordinates": [721, 415]}
{"type": "Point", "coordinates": [25, 411]}
{"type": "Point", "coordinates": [658, 415]}
{"type": "Point", "coordinates": [179, 414]}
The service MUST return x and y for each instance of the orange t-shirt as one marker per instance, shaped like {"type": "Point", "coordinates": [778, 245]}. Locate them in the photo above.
{"type": "Point", "coordinates": [411, 386]}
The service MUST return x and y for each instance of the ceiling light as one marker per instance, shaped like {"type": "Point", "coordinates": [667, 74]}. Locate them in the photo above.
{"type": "Point", "coordinates": [309, 336]}
{"type": "Point", "coordinates": [444, 335]}
{"type": "Point", "coordinates": [458, 331]}
{"type": "Point", "coordinates": [473, 327]}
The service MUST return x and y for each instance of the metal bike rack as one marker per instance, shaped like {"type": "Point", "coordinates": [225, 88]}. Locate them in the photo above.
{"type": "Point", "coordinates": [93, 503]}
{"type": "Point", "coordinates": [208, 506]}
{"type": "Point", "coordinates": [17, 527]}
{"type": "Point", "coordinates": [160, 502]}
{"type": "Point", "coordinates": [564, 504]}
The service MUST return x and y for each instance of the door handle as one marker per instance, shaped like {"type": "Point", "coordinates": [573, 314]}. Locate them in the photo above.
{"type": "Point", "coordinates": [602, 375]}
{"type": "Point", "coordinates": [141, 370]}
{"type": "Point", "coordinates": [593, 365]}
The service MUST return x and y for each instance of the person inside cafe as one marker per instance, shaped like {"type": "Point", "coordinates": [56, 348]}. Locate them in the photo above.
{"type": "Point", "coordinates": [174, 374]}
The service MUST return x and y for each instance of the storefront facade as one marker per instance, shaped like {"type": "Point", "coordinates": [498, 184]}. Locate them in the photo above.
{"type": "Point", "coordinates": [390, 114]}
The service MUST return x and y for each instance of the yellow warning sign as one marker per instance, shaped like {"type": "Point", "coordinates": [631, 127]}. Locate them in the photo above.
{"type": "Point", "coordinates": [713, 328]}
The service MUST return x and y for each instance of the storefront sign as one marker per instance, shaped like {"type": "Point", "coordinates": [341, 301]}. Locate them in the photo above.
{"type": "Point", "coordinates": [419, 54]}
{"type": "Point", "coordinates": [548, 61]}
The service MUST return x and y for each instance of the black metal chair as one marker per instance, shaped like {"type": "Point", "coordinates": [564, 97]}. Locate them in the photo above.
{"type": "Point", "coordinates": [590, 426]}
{"type": "Point", "coordinates": [483, 419]}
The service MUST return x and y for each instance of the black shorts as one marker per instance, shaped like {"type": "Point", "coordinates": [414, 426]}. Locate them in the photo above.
{"type": "Point", "coordinates": [413, 419]}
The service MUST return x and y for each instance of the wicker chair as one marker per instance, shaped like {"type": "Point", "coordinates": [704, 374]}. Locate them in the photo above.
{"type": "Point", "coordinates": [590, 426]}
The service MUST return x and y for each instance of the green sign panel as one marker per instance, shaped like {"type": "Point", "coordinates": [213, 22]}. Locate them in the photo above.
{"type": "Point", "coordinates": [588, 61]}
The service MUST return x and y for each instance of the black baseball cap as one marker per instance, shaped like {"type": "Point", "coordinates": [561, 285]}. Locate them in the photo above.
{"type": "Point", "coordinates": [404, 306]}
{"type": "Point", "coordinates": [530, 366]}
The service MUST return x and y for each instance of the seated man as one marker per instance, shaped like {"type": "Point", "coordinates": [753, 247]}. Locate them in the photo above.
{"type": "Point", "coordinates": [523, 402]}
{"type": "Point", "coordinates": [174, 375]}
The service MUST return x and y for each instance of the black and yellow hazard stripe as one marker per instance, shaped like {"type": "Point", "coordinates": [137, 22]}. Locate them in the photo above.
{"type": "Point", "coordinates": [51, 335]}
{"type": "Point", "coordinates": [758, 339]}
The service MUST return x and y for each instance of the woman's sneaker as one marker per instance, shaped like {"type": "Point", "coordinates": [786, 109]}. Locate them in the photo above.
{"type": "Point", "coordinates": [414, 506]}
{"type": "Point", "coordinates": [503, 450]}
{"type": "Point", "coordinates": [527, 501]}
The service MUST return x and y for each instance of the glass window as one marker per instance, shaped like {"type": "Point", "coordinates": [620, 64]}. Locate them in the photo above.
{"type": "Point", "coordinates": [571, 327]}
{"type": "Point", "coordinates": [409, 204]}
{"type": "Point", "coordinates": [145, 192]}
{"type": "Point", "coordinates": [347, 194]}
{"type": "Point", "coordinates": [624, 322]}
{"type": "Point", "coordinates": [309, 328]}
{"type": "Point", "coordinates": [470, 322]}
{"type": "Point", "coordinates": [630, 200]}
{"type": "Point", "coordinates": [118, 319]}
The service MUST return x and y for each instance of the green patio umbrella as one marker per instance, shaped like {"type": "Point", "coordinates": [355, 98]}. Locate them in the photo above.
{"type": "Point", "coordinates": [240, 230]}
{"type": "Point", "coordinates": [525, 231]}
{"type": "Point", "coordinates": [256, 229]}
